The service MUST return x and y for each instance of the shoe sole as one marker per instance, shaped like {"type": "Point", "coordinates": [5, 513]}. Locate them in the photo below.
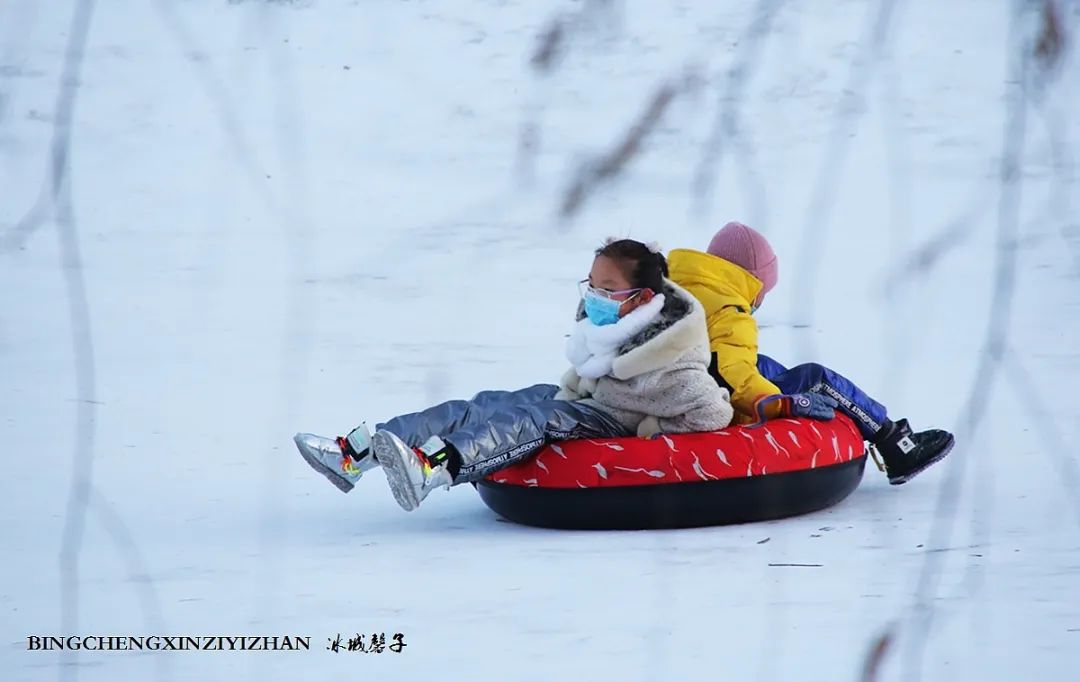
{"type": "Point", "coordinates": [340, 483]}
{"type": "Point", "coordinates": [900, 480]}
{"type": "Point", "coordinates": [391, 458]}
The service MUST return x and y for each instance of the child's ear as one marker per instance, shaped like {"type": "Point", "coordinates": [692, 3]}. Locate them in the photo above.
{"type": "Point", "coordinates": [647, 295]}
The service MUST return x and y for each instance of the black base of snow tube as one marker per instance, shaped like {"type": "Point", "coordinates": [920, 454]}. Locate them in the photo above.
{"type": "Point", "coordinates": [676, 505]}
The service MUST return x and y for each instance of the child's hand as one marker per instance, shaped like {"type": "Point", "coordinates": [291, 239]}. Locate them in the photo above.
{"type": "Point", "coordinates": [649, 428]}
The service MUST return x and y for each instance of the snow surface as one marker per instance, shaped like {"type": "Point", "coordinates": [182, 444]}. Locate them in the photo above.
{"type": "Point", "coordinates": [294, 216]}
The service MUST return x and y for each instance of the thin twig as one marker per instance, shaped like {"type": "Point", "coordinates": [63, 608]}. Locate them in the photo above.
{"type": "Point", "coordinates": [301, 307]}
{"type": "Point", "coordinates": [224, 108]}
{"type": "Point", "coordinates": [1058, 449]}
{"type": "Point", "coordinates": [1050, 45]}
{"type": "Point", "coordinates": [553, 42]}
{"type": "Point", "coordinates": [994, 347]}
{"type": "Point", "coordinates": [731, 97]}
{"type": "Point", "coordinates": [849, 110]}
{"type": "Point", "coordinates": [138, 571]}
{"type": "Point", "coordinates": [922, 260]}
{"type": "Point", "coordinates": [82, 341]}
{"type": "Point", "coordinates": [550, 45]}
{"type": "Point", "coordinates": [607, 167]}
{"type": "Point", "coordinates": [60, 148]}
{"type": "Point", "coordinates": [874, 658]}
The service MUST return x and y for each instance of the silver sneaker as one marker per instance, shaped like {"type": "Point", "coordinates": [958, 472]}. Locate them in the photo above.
{"type": "Point", "coordinates": [325, 456]}
{"type": "Point", "coordinates": [410, 476]}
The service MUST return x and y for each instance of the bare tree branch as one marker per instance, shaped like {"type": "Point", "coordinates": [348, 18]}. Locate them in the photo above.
{"type": "Point", "coordinates": [300, 304]}
{"type": "Point", "coordinates": [552, 45]}
{"type": "Point", "coordinates": [1050, 45]}
{"type": "Point", "coordinates": [605, 168]}
{"type": "Point", "coordinates": [876, 654]}
{"type": "Point", "coordinates": [849, 110]}
{"type": "Point", "coordinates": [60, 148]}
{"type": "Point", "coordinates": [731, 97]}
{"type": "Point", "coordinates": [1058, 449]}
{"type": "Point", "coordinates": [223, 106]}
{"type": "Point", "coordinates": [922, 260]}
{"type": "Point", "coordinates": [994, 345]}
{"type": "Point", "coordinates": [554, 40]}
{"type": "Point", "coordinates": [81, 337]}
{"type": "Point", "coordinates": [138, 571]}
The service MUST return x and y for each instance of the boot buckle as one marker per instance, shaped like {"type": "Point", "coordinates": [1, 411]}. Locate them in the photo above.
{"type": "Point", "coordinates": [876, 456]}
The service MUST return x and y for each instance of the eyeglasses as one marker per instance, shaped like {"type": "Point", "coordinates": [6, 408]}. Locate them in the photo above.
{"type": "Point", "coordinates": [585, 288]}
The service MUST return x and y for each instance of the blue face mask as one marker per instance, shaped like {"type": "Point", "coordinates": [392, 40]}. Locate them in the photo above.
{"type": "Point", "coordinates": [600, 310]}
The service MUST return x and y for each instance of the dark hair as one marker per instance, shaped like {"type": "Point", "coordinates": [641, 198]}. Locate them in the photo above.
{"type": "Point", "coordinates": [644, 268]}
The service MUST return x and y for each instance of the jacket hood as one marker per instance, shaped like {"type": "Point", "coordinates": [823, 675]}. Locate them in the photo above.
{"type": "Point", "coordinates": [679, 328]}
{"type": "Point", "coordinates": [715, 282]}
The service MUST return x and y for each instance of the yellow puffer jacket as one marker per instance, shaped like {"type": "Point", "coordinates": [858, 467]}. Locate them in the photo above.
{"type": "Point", "coordinates": [726, 290]}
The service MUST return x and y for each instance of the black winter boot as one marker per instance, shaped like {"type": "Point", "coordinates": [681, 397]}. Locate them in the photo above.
{"type": "Point", "coordinates": [908, 454]}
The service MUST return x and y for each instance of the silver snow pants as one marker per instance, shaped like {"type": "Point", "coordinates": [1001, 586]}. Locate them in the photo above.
{"type": "Point", "coordinates": [498, 428]}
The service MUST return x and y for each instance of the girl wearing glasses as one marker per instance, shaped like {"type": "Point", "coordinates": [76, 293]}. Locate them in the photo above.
{"type": "Point", "coordinates": [639, 356]}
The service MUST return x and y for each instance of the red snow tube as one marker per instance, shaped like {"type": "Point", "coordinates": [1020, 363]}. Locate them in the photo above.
{"type": "Point", "coordinates": [782, 468]}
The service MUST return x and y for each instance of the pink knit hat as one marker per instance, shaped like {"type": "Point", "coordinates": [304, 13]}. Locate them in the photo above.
{"type": "Point", "coordinates": [745, 247]}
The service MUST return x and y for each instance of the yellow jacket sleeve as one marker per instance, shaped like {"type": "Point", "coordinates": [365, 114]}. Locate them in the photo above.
{"type": "Point", "coordinates": [733, 337]}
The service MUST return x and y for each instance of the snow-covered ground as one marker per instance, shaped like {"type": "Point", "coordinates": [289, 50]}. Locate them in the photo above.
{"type": "Point", "coordinates": [294, 216]}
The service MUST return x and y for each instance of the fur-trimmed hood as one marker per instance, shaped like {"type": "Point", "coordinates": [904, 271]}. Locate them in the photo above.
{"type": "Point", "coordinates": [677, 329]}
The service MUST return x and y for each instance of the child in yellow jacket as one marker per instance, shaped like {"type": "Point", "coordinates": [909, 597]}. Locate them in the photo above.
{"type": "Point", "coordinates": [731, 279]}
